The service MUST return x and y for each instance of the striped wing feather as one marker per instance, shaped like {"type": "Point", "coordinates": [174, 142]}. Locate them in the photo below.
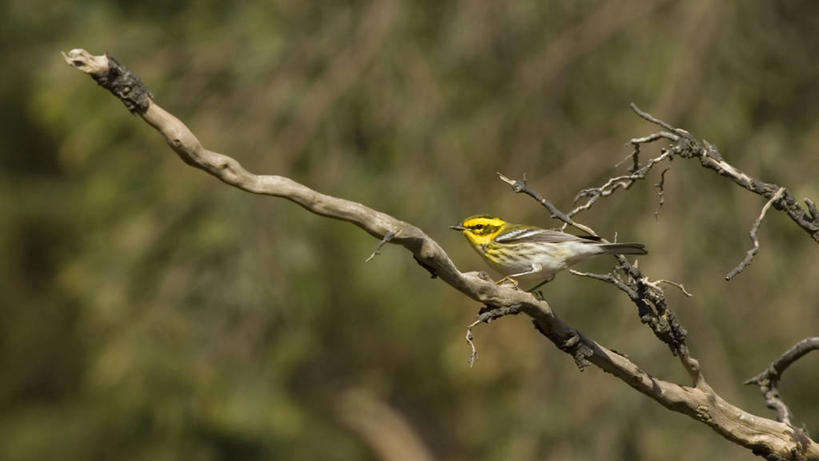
{"type": "Point", "coordinates": [542, 235]}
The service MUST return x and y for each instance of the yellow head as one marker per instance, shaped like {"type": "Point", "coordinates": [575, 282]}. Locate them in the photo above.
{"type": "Point", "coordinates": [480, 229]}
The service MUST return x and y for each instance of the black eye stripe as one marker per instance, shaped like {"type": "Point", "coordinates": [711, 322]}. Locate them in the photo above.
{"type": "Point", "coordinates": [483, 229]}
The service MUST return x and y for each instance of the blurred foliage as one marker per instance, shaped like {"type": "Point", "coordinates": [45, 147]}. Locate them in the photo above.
{"type": "Point", "coordinates": [150, 312]}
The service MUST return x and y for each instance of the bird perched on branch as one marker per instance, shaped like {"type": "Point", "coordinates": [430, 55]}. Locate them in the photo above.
{"type": "Point", "coordinates": [529, 253]}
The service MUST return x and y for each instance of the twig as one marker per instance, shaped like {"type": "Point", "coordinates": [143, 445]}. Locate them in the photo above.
{"type": "Point", "coordinates": [655, 120]}
{"type": "Point", "coordinates": [593, 194]}
{"type": "Point", "coordinates": [654, 137]}
{"type": "Point", "coordinates": [670, 282]}
{"type": "Point", "coordinates": [473, 355]}
{"type": "Point", "coordinates": [486, 315]}
{"type": "Point", "coordinates": [608, 278]}
{"type": "Point", "coordinates": [652, 308]}
{"type": "Point", "coordinates": [683, 145]}
{"type": "Point", "coordinates": [636, 142]}
{"type": "Point", "coordinates": [634, 156]}
{"type": "Point", "coordinates": [768, 380]}
{"type": "Point", "coordinates": [660, 192]}
{"type": "Point", "coordinates": [387, 237]}
{"type": "Point", "coordinates": [520, 186]}
{"type": "Point", "coordinates": [749, 256]}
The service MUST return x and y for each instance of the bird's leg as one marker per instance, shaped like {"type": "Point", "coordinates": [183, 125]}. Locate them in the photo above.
{"type": "Point", "coordinates": [510, 278]}
{"type": "Point", "coordinates": [532, 270]}
{"type": "Point", "coordinates": [544, 282]}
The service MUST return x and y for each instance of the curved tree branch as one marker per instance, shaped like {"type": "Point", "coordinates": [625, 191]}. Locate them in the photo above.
{"type": "Point", "coordinates": [772, 439]}
{"type": "Point", "coordinates": [749, 255]}
{"type": "Point", "coordinates": [684, 145]}
{"type": "Point", "coordinates": [768, 380]}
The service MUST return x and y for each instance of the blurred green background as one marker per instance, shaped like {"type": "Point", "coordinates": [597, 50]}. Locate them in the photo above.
{"type": "Point", "coordinates": [150, 312]}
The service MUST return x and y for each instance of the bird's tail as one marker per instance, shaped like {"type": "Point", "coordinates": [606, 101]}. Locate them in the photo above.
{"type": "Point", "coordinates": [624, 248]}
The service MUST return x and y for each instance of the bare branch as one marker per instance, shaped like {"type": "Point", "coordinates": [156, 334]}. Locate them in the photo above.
{"type": "Point", "coordinates": [114, 77]}
{"type": "Point", "coordinates": [473, 355]}
{"type": "Point", "coordinates": [764, 436]}
{"type": "Point", "coordinates": [486, 315]}
{"type": "Point", "coordinates": [656, 121]}
{"type": "Point", "coordinates": [520, 186]}
{"type": "Point", "coordinates": [377, 251]}
{"type": "Point", "coordinates": [684, 145]}
{"type": "Point", "coordinates": [654, 137]}
{"type": "Point", "coordinates": [652, 308]}
{"type": "Point", "coordinates": [608, 278]}
{"type": "Point", "coordinates": [676, 284]}
{"type": "Point", "coordinates": [660, 192]}
{"type": "Point", "coordinates": [636, 142]}
{"type": "Point", "coordinates": [768, 380]}
{"type": "Point", "coordinates": [593, 194]}
{"type": "Point", "coordinates": [749, 256]}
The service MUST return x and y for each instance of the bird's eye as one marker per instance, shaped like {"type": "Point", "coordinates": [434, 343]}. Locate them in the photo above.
{"type": "Point", "coordinates": [478, 226]}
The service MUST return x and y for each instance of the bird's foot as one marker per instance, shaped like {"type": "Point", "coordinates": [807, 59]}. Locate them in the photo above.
{"type": "Point", "coordinates": [508, 281]}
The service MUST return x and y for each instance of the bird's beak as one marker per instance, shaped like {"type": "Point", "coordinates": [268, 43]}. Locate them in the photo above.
{"type": "Point", "coordinates": [458, 228]}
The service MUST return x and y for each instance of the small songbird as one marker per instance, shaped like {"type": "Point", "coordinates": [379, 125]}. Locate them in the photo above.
{"type": "Point", "coordinates": [529, 253]}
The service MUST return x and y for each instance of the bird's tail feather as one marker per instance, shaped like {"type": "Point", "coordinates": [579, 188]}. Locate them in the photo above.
{"type": "Point", "coordinates": [624, 248]}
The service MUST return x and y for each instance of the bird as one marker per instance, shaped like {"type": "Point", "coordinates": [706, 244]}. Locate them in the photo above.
{"type": "Point", "coordinates": [524, 253]}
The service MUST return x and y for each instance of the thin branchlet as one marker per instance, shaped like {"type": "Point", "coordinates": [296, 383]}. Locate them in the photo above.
{"type": "Point", "coordinates": [682, 144]}
{"type": "Point", "coordinates": [768, 379]}
{"type": "Point", "coordinates": [377, 251]}
{"type": "Point", "coordinates": [594, 194]}
{"type": "Point", "coordinates": [749, 256]}
{"type": "Point", "coordinates": [486, 315]}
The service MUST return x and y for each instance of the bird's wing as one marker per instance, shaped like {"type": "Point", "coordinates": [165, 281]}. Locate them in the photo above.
{"type": "Point", "coordinates": [542, 235]}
